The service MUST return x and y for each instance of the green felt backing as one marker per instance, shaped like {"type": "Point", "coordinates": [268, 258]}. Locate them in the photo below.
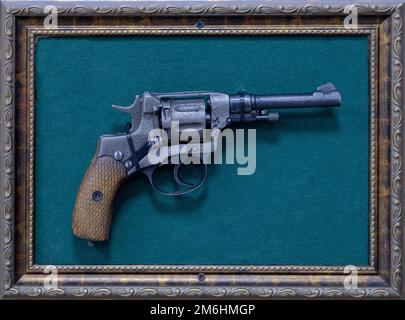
{"type": "Point", "coordinates": [307, 202]}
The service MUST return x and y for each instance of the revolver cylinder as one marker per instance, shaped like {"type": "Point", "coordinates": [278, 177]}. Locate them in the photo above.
{"type": "Point", "coordinates": [190, 114]}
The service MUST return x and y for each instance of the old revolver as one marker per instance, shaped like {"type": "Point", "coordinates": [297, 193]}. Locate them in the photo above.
{"type": "Point", "coordinates": [122, 155]}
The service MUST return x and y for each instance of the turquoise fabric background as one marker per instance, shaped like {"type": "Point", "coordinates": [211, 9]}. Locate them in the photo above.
{"type": "Point", "coordinates": [307, 203]}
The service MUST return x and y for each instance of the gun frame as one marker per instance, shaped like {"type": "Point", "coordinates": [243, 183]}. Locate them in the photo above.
{"type": "Point", "coordinates": [21, 24]}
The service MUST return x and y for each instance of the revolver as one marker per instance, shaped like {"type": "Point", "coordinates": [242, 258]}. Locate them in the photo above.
{"type": "Point", "coordinates": [120, 156]}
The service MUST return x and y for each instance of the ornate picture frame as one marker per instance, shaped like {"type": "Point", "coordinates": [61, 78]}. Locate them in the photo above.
{"type": "Point", "coordinates": [22, 24]}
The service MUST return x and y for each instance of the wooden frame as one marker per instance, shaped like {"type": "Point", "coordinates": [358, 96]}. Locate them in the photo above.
{"type": "Point", "coordinates": [22, 24]}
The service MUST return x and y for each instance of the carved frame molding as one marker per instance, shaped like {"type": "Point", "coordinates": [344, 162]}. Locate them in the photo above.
{"type": "Point", "coordinates": [266, 282]}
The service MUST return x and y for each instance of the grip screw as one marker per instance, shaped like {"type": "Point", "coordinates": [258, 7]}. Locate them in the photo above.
{"type": "Point", "coordinates": [201, 277]}
{"type": "Point", "coordinates": [128, 164]}
{"type": "Point", "coordinates": [97, 196]}
{"type": "Point", "coordinates": [118, 155]}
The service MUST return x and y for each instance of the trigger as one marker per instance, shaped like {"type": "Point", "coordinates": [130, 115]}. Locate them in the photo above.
{"type": "Point", "coordinates": [177, 177]}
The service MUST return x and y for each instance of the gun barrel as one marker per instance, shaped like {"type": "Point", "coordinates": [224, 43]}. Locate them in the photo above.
{"type": "Point", "coordinates": [297, 101]}
{"type": "Point", "coordinates": [250, 107]}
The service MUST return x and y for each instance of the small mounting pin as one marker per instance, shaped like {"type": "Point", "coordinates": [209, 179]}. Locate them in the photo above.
{"type": "Point", "coordinates": [201, 277]}
{"type": "Point", "coordinates": [199, 24]}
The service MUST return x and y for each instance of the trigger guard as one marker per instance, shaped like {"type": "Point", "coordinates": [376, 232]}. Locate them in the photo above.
{"type": "Point", "coordinates": [150, 171]}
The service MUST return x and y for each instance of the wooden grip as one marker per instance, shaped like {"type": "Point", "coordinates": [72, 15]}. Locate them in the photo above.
{"type": "Point", "coordinates": [92, 212]}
